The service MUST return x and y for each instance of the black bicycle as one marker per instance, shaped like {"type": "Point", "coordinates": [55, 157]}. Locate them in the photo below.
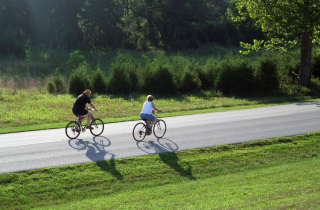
{"type": "Point", "coordinates": [73, 129]}
{"type": "Point", "coordinates": [141, 129]}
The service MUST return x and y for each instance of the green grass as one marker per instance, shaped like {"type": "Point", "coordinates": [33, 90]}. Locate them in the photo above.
{"type": "Point", "coordinates": [31, 109]}
{"type": "Point", "coordinates": [279, 173]}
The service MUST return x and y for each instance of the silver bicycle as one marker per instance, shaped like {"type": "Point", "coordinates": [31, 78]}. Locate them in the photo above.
{"type": "Point", "coordinates": [141, 129]}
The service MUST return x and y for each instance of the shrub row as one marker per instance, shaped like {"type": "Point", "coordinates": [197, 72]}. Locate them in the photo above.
{"type": "Point", "coordinates": [233, 75]}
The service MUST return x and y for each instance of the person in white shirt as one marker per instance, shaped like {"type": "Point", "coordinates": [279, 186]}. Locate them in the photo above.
{"type": "Point", "coordinates": [146, 113]}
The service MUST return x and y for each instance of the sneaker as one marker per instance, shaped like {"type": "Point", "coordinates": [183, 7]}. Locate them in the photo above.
{"type": "Point", "coordinates": [89, 127]}
{"type": "Point", "coordinates": [149, 132]}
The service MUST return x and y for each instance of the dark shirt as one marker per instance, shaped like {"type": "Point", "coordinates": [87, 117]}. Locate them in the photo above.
{"type": "Point", "coordinates": [82, 100]}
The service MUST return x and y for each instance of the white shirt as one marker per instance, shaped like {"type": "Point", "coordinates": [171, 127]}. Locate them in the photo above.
{"type": "Point", "coordinates": [147, 107]}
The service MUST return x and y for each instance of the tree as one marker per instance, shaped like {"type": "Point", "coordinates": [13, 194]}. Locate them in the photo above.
{"type": "Point", "coordinates": [287, 24]}
{"type": "Point", "coordinates": [173, 20]}
{"type": "Point", "coordinates": [100, 20]}
{"type": "Point", "coordinates": [56, 22]}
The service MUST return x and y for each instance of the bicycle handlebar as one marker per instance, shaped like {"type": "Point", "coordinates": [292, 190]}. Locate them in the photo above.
{"type": "Point", "coordinates": [93, 109]}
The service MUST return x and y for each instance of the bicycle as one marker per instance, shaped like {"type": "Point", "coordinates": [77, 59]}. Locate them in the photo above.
{"type": "Point", "coordinates": [140, 130]}
{"type": "Point", "coordinates": [73, 129]}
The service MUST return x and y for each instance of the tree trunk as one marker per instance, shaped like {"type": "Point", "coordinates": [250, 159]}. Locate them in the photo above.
{"type": "Point", "coordinates": [305, 59]}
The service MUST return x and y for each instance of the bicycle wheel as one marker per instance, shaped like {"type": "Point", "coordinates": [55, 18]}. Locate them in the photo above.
{"type": "Point", "coordinates": [159, 129]}
{"type": "Point", "coordinates": [97, 126]}
{"type": "Point", "coordinates": [139, 131]}
{"type": "Point", "coordinates": [73, 130]}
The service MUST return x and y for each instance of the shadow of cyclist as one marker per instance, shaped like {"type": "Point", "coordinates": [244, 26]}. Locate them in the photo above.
{"type": "Point", "coordinates": [171, 159]}
{"type": "Point", "coordinates": [96, 152]}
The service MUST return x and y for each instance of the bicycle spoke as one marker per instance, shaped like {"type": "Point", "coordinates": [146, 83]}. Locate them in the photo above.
{"type": "Point", "coordinates": [97, 126]}
{"type": "Point", "coordinates": [139, 132]}
{"type": "Point", "coordinates": [159, 129]}
{"type": "Point", "coordinates": [72, 130]}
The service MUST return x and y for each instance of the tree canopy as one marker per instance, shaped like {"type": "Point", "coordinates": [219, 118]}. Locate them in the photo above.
{"type": "Point", "coordinates": [131, 24]}
{"type": "Point", "coordinates": [287, 24]}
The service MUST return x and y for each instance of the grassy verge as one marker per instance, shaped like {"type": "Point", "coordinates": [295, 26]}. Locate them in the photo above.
{"type": "Point", "coordinates": [25, 110]}
{"type": "Point", "coordinates": [278, 173]}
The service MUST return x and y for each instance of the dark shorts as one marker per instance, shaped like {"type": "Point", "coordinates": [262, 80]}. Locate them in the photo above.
{"type": "Point", "coordinates": [77, 111]}
{"type": "Point", "coordinates": [149, 117]}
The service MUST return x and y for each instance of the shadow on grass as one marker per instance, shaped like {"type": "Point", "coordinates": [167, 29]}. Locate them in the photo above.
{"type": "Point", "coordinates": [96, 152]}
{"type": "Point", "coordinates": [166, 148]}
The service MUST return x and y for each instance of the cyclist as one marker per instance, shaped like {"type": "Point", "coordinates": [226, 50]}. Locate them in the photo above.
{"type": "Point", "coordinates": [146, 113]}
{"type": "Point", "coordinates": [80, 107]}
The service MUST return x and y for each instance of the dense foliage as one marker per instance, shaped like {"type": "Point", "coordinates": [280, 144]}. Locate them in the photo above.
{"type": "Point", "coordinates": [269, 74]}
{"type": "Point", "coordinates": [130, 24]}
{"type": "Point", "coordinates": [287, 24]}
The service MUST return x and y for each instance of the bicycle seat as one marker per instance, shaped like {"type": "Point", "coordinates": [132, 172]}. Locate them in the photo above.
{"type": "Point", "coordinates": [144, 119]}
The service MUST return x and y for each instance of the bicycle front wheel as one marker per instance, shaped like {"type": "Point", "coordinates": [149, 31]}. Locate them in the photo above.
{"type": "Point", "coordinates": [73, 130]}
{"type": "Point", "coordinates": [159, 129]}
{"type": "Point", "coordinates": [97, 126]}
{"type": "Point", "coordinates": [139, 131]}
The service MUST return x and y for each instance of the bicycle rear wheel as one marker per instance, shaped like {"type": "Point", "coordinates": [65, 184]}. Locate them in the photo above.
{"type": "Point", "coordinates": [159, 129]}
{"type": "Point", "coordinates": [73, 130]}
{"type": "Point", "coordinates": [97, 126]}
{"type": "Point", "coordinates": [139, 131]}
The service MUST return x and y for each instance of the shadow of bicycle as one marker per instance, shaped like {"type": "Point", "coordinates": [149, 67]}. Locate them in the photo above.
{"type": "Point", "coordinates": [96, 152]}
{"type": "Point", "coordinates": [166, 149]}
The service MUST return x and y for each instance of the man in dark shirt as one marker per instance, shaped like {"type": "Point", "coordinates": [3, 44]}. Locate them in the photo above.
{"type": "Point", "coordinates": [80, 107]}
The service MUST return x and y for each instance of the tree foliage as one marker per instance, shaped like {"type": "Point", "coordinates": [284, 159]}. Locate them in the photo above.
{"type": "Point", "coordinates": [132, 24]}
{"type": "Point", "coordinates": [287, 24]}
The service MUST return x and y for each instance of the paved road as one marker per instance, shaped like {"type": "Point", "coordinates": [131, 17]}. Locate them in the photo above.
{"type": "Point", "coordinates": [48, 148]}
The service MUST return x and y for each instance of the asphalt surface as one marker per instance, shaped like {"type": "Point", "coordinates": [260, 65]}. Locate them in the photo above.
{"type": "Point", "coordinates": [48, 148]}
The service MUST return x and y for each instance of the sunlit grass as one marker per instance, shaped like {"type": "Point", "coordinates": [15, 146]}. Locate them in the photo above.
{"type": "Point", "coordinates": [36, 107]}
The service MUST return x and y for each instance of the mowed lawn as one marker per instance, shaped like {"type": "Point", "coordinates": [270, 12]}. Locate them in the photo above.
{"type": "Point", "coordinates": [281, 173]}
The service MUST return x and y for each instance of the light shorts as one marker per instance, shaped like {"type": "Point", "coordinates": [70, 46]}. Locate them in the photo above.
{"type": "Point", "coordinates": [149, 117]}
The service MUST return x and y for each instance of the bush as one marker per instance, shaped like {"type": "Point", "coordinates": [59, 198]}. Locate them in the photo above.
{"type": "Point", "coordinates": [51, 87]}
{"type": "Point", "coordinates": [289, 66]}
{"type": "Point", "coordinates": [162, 81]}
{"type": "Point", "coordinates": [178, 66]}
{"type": "Point", "coordinates": [236, 78]}
{"type": "Point", "coordinates": [122, 79]}
{"type": "Point", "coordinates": [60, 84]}
{"type": "Point", "coordinates": [73, 63]}
{"type": "Point", "coordinates": [209, 73]}
{"type": "Point", "coordinates": [99, 82]}
{"type": "Point", "coordinates": [189, 82]}
{"type": "Point", "coordinates": [268, 75]}
{"type": "Point", "coordinates": [315, 65]}
{"type": "Point", "coordinates": [314, 87]}
{"type": "Point", "coordinates": [79, 81]}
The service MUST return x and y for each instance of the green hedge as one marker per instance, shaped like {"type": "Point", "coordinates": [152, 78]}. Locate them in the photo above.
{"type": "Point", "coordinates": [231, 75]}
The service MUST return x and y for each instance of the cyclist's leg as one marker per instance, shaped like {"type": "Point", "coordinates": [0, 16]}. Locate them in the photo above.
{"type": "Point", "coordinates": [81, 119]}
{"type": "Point", "coordinates": [89, 115]}
{"type": "Point", "coordinates": [154, 121]}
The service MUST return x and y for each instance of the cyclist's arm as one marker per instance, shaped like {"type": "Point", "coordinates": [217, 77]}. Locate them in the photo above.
{"type": "Point", "coordinates": [155, 108]}
{"type": "Point", "coordinates": [93, 107]}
